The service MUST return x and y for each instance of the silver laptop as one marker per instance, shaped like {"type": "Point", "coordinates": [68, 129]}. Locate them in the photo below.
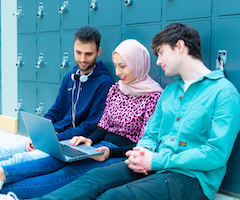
{"type": "Point", "coordinates": [44, 138]}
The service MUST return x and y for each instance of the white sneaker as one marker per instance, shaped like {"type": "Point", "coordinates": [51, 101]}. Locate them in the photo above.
{"type": "Point", "coordinates": [1, 184]}
{"type": "Point", "coordinates": [8, 196]}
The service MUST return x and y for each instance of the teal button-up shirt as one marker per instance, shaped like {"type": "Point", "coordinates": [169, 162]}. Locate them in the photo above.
{"type": "Point", "coordinates": [193, 132]}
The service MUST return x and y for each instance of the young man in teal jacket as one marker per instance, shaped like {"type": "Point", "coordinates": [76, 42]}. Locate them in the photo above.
{"type": "Point", "coordinates": [187, 141]}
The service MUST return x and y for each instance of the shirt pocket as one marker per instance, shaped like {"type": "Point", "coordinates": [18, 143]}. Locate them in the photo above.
{"type": "Point", "coordinates": [198, 120]}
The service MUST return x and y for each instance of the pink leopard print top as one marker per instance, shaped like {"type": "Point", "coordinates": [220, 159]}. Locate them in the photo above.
{"type": "Point", "coordinates": [127, 115]}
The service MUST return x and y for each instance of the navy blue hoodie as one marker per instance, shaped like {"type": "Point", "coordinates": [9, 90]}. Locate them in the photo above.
{"type": "Point", "coordinates": [90, 105]}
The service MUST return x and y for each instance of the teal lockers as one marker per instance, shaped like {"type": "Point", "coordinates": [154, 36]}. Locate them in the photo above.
{"type": "Point", "coordinates": [227, 37]}
{"type": "Point", "coordinates": [45, 36]}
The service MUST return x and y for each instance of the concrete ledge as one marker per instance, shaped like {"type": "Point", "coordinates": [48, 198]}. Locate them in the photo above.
{"type": "Point", "coordinates": [225, 195]}
{"type": "Point", "coordinates": [8, 124]}
{"type": "Point", "coordinates": [220, 196]}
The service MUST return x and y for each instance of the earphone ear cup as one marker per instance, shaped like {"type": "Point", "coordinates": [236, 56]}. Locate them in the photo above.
{"type": "Point", "coordinates": [75, 77]}
{"type": "Point", "coordinates": [72, 77]}
{"type": "Point", "coordinates": [83, 78]}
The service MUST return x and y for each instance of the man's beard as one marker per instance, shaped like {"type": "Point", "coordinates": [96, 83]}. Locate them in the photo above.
{"type": "Point", "coordinates": [89, 66]}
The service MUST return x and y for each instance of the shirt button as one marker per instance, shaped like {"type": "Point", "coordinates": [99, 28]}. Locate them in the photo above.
{"type": "Point", "coordinates": [172, 138]}
{"type": "Point", "coordinates": [180, 97]}
{"type": "Point", "coordinates": [178, 118]}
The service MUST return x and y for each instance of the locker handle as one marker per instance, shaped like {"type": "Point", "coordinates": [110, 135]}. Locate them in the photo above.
{"type": "Point", "coordinates": [93, 5]}
{"type": "Point", "coordinates": [64, 7]}
{"type": "Point", "coordinates": [221, 60]}
{"type": "Point", "coordinates": [40, 109]}
{"type": "Point", "coordinates": [127, 2]}
{"type": "Point", "coordinates": [40, 61]}
{"type": "Point", "coordinates": [19, 106]}
{"type": "Point", "coordinates": [18, 13]}
{"type": "Point", "coordinates": [40, 10]}
{"type": "Point", "coordinates": [19, 60]}
{"type": "Point", "coordinates": [64, 61]}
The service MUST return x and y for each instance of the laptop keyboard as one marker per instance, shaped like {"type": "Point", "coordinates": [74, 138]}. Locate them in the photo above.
{"type": "Point", "coordinates": [67, 150]}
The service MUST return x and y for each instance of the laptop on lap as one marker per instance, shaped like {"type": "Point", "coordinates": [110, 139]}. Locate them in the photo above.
{"type": "Point", "coordinates": [44, 138]}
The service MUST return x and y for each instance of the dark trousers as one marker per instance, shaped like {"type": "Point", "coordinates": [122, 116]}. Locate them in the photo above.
{"type": "Point", "coordinates": [117, 181]}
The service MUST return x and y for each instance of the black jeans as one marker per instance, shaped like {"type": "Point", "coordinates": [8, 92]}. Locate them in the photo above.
{"type": "Point", "coordinates": [117, 181]}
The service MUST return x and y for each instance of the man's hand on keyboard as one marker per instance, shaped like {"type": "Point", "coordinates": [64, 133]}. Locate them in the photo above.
{"type": "Point", "coordinates": [76, 140]}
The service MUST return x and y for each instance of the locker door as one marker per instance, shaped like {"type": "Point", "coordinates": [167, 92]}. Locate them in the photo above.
{"type": "Point", "coordinates": [111, 37]}
{"type": "Point", "coordinates": [229, 7]}
{"type": "Point", "coordinates": [229, 40]}
{"type": "Point", "coordinates": [203, 28]}
{"type": "Point", "coordinates": [187, 9]}
{"type": "Point", "coordinates": [47, 15]}
{"type": "Point", "coordinates": [47, 95]}
{"type": "Point", "coordinates": [76, 15]}
{"type": "Point", "coordinates": [49, 46]}
{"type": "Point", "coordinates": [26, 93]}
{"type": "Point", "coordinates": [144, 34]}
{"type": "Point", "coordinates": [142, 11]}
{"type": "Point", "coordinates": [231, 181]}
{"type": "Point", "coordinates": [27, 19]}
{"type": "Point", "coordinates": [67, 47]}
{"type": "Point", "coordinates": [27, 56]}
{"type": "Point", "coordinates": [107, 13]}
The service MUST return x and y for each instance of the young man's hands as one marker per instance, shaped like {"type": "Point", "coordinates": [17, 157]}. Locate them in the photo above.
{"type": "Point", "coordinates": [139, 160]}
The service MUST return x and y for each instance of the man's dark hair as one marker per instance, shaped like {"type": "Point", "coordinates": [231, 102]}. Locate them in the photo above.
{"type": "Point", "coordinates": [176, 31]}
{"type": "Point", "coordinates": [88, 34]}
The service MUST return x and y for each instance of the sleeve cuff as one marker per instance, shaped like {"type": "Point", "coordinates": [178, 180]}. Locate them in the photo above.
{"type": "Point", "coordinates": [156, 162]}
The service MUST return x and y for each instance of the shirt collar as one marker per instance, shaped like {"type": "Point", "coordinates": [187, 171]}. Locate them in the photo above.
{"type": "Point", "coordinates": [216, 74]}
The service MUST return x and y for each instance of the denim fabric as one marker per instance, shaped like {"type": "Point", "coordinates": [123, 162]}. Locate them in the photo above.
{"type": "Point", "coordinates": [118, 182]}
{"type": "Point", "coordinates": [158, 186]}
{"type": "Point", "coordinates": [39, 177]}
{"type": "Point", "coordinates": [11, 155]}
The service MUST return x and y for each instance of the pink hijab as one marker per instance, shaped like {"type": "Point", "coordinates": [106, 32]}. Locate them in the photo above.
{"type": "Point", "coordinates": [137, 59]}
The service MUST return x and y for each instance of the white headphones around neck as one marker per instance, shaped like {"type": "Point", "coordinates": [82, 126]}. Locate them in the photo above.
{"type": "Point", "coordinates": [83, 78]}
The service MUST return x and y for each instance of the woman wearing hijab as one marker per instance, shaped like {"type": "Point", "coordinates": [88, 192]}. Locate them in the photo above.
{"type": "Point", "coordinates": [129, 105]}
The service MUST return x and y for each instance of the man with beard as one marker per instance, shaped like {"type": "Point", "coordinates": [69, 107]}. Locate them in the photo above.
{"type": "Point", "coordinates": [80, 102]}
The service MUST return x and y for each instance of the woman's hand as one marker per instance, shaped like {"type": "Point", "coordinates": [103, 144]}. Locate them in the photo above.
{"type": "Point", "coordinates": [76, 140]}
{"type": "Point", "coordinates": [29, 145]}
{"type": "Point", "coordinates": [103, 156]}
